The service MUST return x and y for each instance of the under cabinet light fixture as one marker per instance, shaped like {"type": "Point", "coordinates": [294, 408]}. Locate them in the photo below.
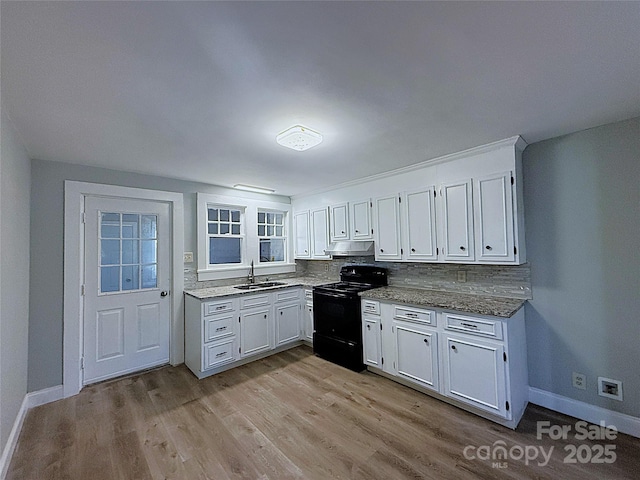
{"type": "Point", "coordinates": [251, 188]}
{"type": "Point", "coordinates": [299, 138]}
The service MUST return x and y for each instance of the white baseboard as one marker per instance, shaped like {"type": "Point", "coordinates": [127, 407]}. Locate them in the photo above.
{"type": "Point", "coordinates": [32, 399]}
{"type": "Point", "coordinates": [12, 441]}
{"type": "Point", "coordinates": [46, 395]}
{"type": "Point", "coordinates": [585, 411]}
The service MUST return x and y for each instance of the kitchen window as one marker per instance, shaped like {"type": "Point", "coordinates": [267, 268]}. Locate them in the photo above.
{"type": "Point", "coordinates": [272, 236]}
{"type": "Point", "coordinates": [234, 231]}
{"type": "Point", "coordinates": [224, 231]}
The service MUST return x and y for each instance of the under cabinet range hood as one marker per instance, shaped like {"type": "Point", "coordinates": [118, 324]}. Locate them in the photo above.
{"type": "Point", "coordinates": [350, 249]}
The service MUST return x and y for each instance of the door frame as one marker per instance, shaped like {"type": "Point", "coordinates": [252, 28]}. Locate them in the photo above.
{"type": "Point", "coordinates": [73, 309]}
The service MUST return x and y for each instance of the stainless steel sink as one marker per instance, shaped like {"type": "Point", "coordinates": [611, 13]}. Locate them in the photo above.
{"type": "Point", "coordinates": [256, 286]}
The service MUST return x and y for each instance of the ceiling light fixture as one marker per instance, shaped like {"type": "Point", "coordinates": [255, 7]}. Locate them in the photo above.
{"type": "Point", "coordinates": [251, 188]}
{"type": "Point", "coordinates": [299, 138]}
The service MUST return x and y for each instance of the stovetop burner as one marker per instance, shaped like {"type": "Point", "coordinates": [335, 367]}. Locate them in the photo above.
{"type": "Point", "coordinates": [346, 287]}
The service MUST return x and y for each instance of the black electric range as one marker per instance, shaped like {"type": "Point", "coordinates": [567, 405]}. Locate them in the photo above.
{"type": "Point", "coordinates": [337, 321]}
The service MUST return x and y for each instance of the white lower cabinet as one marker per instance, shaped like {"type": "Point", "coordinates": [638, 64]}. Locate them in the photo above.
{"type": "Point", "coordinates": [372, 341]}
{"type": "Point", "coordinates": [230, 331]}
{"type": "Point", "coordinates": [287, 316]}
{"type": "Point", "coordinates": [416, 354]}
{"type": "Point", "coordinates": [287, 323]}
{"type": "Point", "coordinates": [256, 327]}
{"type": "Point", "coordinates": [476, 362]}
{"type": "Point", "coordinates": [475, 373]}
{"type": "Point", "coordinates": [211, 333]}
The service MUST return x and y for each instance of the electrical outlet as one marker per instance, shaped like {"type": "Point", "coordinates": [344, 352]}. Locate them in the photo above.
{"type": "Point", "coordinates": [326, 267]}
{"type": "Point", "coordinates": [462, 276]}
{"type": "Point", "coordinates": [579, 380]}
{"type": "Point", "coordinates": [610, 388]}
{"type": "Point", "coordinates": [188, 257]}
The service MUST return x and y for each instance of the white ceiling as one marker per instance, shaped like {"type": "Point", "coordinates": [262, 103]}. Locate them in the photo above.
{"type": "Point", "coordinates": [199, 90]}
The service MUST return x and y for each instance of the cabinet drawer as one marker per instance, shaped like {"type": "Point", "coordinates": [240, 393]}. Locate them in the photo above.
{"type": "Point", "coordinates": [219, 306]}
{"type": "Point", "coordinates": [371, 307]}
{"type": "Point", "coordinates": [218, 326]}
{"type": "Point", "coordinates": [412, 314]}
{"type": "Point", "coordinates": [255, 301]}
{"type": "Point", "coordinates": [286, 295]}
{"type": "Point", "coordinates": [218, 354]}
{"type": "Point", "coordinates": [474, 326]}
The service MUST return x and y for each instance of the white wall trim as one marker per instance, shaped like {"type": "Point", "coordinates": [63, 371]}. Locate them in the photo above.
{"type": "Point", "coordinates": [31, 400]}
{"type": "Point", "coordinates": [74, 193]}
{"type": "Point", "coordinates": [585, 411]}
{"type": "Point", "coordinates": [12, 441]}
{"type": "Point", "coordinates": [44, 396]}
{"type": "Point", "coordinates": [517, 142]}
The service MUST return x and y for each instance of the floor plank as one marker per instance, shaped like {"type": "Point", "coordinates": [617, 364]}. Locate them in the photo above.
{"type": "Point", "coordinates": [288, 416]}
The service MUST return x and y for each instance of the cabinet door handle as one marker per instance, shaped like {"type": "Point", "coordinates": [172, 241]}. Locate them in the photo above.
{"type": "Point", "coordinates": [342, 231]}
{"type": "Point", "coordinates": [265, 316]}
{"type": "Point", "coordinates": [469, 325]}
{"type": "Point", "coordinates": [488, 247]}
{"type": "Point", "coordinates": [413, 250]}
{"type": "Point", "coordinates": [381, 250]}
{"type": "Point", "coordinates": [453, 347]}
{"type": "Point", "coordinates": [368, 327]}
{"type": "Point", "coordinates": [221, 354]}
{"type": "Point", "coordinates": [280, 312]}
{"type": "Point", "coordinates": [219, 329]}
{"type": "Point", "coordinates": [411, 315]}
{"type": "Point", "coordinates": [426, 341]}
{"type": "Point", "coordinates": [462, 248]}
{"type": "Point", "coordinates": [357, 231]}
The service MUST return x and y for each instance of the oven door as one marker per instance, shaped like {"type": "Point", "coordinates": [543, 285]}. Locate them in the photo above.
{"type": "Point", "coordinates": [337, 315]}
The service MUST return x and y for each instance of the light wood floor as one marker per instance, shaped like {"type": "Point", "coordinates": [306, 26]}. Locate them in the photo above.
{"type": "Point", "coordinates": [288, 416]}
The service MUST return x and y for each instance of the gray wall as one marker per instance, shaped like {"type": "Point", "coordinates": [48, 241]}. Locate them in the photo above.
{"type": "Point", "coordinates": [582, 199]}
{"type": "Point", "coordinates": [47, 218]}
{"type": "Point", "coordinates": [14, 276]}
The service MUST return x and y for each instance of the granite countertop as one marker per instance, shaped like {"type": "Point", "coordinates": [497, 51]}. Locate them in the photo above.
{"type": "Point", "coordinates": [229, 290]}
{"type": "Point", "coordinates": [503, 307]}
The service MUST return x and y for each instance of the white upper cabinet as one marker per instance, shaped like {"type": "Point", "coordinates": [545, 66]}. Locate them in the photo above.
{"type": "Point", "coordinates": [339, 221]}
{"type": "Point", "coordinates": [311, 234]}
{"type": "Point", "coordinates": [494, 218]}
{"type": "Point", "coordinates": [387, 228]}
{"type": "Point", "coordinates": [419, 225]}
{"type": "Point", "coordinates": [457, 221]}
{"type": "Point", "coordinates": [302, 246]}
{"type": "Point", "coordinates": [319, 233]}
{"type": "Point", "coordinates": [361, 220]}
{"type": "Point", "coordinates": [466, 207]}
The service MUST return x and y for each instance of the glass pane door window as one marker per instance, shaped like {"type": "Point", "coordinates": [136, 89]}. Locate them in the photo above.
{"type": "Point", "coordinates": [128, 252]}
{"type": "Point", "coordinates": [272, 235]}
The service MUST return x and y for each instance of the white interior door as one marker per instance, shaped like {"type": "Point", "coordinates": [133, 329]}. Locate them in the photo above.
{"type": "Point", "coordinates": [127, 311]}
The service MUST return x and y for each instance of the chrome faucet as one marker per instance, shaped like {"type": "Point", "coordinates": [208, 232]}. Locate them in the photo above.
{"type": "Point", "coordinates": [252, 276]}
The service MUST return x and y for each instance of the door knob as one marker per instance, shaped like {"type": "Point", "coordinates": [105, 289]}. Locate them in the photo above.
{"type": "Point", "coordinates": [164, 293]}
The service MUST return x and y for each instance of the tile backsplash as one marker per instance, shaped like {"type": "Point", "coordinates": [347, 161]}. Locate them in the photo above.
{"type": "Point", "coordinates": [498, 280]}
{"type": "Point", "coordinates": [503, 281]}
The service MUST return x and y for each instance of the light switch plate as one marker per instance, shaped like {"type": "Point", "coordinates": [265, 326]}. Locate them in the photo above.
{"type": "Point", "coordinates": [188, 257]}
